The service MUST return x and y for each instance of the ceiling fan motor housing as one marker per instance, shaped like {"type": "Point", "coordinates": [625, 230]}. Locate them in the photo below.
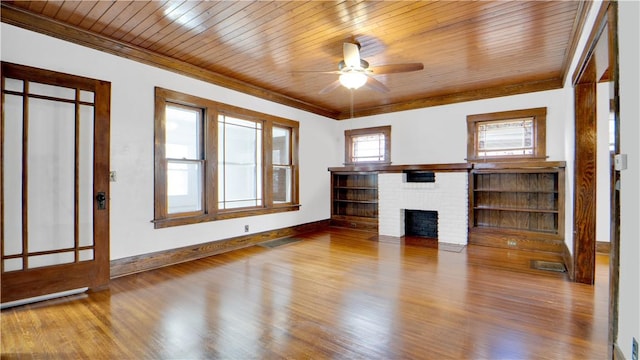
{"type": "Point", "coordinates": [363, 64]}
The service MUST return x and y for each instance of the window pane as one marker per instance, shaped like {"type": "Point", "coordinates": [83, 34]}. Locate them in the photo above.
{"type": "Point", "coordinates": [506, 138]}
{"type": "Point", "coordinates": [281, 184]}
{"type": "Point", "coordinates": [368, 147]}
{"type": "Point", "coordinates": [239, 163]}
{"type": "Point", "coordinates": [183, 132]}
{"type": "Point", "coordinates": [184, 186]}
{"type": "Point", "coordinates": [281, 142]}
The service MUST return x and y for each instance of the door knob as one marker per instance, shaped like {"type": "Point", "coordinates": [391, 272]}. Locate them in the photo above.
{"type": "Point", "coordinates": [101, 198]}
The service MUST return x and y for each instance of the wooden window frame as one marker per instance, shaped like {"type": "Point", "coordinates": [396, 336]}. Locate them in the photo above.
{"type": "Point", "coordinates": [348, 144]}
{"type": "Point", "coordinates": [210, 110]}
{"type": "Point", "coordinates": [539, 116]}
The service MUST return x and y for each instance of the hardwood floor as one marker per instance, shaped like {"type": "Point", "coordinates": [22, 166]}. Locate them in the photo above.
{"type": "Point", "coordinates": [336, 294]}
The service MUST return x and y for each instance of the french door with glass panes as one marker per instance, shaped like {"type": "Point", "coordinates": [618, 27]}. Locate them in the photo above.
{"type": "Point", "coordinates": [54, 181]}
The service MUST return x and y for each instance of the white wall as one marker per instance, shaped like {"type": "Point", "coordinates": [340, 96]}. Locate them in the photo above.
{"type": "Point", "coordinates": [438, 135]}
{"type": "Point", "coordinates": [132, 106]}
{"type": "Point", "coordinates": [629, 62]}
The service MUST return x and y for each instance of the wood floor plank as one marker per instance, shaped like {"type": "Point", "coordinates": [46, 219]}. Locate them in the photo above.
{"type": "Point", "coordinates": [337, 294]}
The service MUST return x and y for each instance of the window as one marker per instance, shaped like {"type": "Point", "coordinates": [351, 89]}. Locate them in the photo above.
{"type": "Point", "coordinates": [370, 145]}
{"type": "Point", "coordinates": [509, 135]}
{"type": "Point", "coordinates": [214, 161]}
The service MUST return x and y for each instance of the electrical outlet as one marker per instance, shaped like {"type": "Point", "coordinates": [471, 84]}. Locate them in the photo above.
{"type": "Point", "coordinates": [634, 349]}
{"type": "Point", "coordinates": [246, 228]}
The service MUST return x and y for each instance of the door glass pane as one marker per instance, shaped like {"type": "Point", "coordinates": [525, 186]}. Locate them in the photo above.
{"type": "Point", "coordinates": [51, 259]}
{"type": "Point", "coordinates": [12, 265]}
{"type": "Point", "coordinates": [51, 175]}
{"type": "Point", "coordinates": [12, 172]}
{"type": "Point", "coordinates": [86, 96]}
{"type": "Point", "coordinates": [14, 85]}
{"type": "Point", "coordinates": [85, 177]}
{"type": "Point", "coordinates": [52, 91]}
{"type": "Point", "coordinates": [85, 255]}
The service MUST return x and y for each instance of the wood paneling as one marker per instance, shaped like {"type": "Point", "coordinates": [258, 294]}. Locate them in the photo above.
{"type": "Point", "coordinates": [337, 294]}
{"type": "Point", "coordinates": [471, 50]}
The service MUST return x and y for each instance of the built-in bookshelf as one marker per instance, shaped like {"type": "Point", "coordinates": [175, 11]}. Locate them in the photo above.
{"type": "Point", "coordinates": [354, 200]}
{"type": "Point", "coordinates": [517, 205]}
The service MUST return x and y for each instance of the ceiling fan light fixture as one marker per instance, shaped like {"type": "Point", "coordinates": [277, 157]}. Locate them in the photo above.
{"type": "Point", "coordinates": [353, 80]}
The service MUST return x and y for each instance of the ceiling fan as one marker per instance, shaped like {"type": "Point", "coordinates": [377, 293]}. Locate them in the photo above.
{"type": "Point", "coordinates": [355, 72]}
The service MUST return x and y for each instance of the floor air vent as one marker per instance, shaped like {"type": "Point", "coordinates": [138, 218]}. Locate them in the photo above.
{"type": "Point", "coordinates": [548, 266]}
{"type": "Point", "coordinates": [279, 242]}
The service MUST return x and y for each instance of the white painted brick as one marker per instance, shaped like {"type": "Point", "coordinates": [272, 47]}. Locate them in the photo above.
{"type": "Point", "coordinates": [448, 195]}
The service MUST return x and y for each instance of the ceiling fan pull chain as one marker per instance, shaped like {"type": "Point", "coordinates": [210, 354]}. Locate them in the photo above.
{"type": "Point", "coordinates": [351, 91]}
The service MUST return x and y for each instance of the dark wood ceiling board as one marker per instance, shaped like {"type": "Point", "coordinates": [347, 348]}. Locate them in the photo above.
{"type": "Point", "coordinates": [67, 9]}
{"type": "Point", "coordinates": [283, 38]}
{"type": "Point", "coordinates": [157, 21]}
{"type": "Point", "coordinates": [49, 27]}
{"type": "Point", "coordinates": [193, 30]}
{"type": "Point", "coordinates": [51, 8]}
{"type": "Point", "coordinates": [247, 35]}
{"type": "Point", "coordinates": [96, 12]}
{"type": "Point", "coordinates": [109, 16]}
{"type": "Point", "coordinates": [170, 23]}
{"type": "Point", "coordinates": [36, 6]}
{"type": "Point", "coordinates": [80, 12]}
{"type": "Point", "coordinates": [140, 25]}
{"type": "Point", "coordinates": [209, 38]}
{"type": "Point", "coordinates": [130, 15]}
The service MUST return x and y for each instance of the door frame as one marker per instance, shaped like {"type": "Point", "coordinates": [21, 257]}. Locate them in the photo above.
{"type": "Point", "coordinates": [94, 274]}
{"type": "Point", "coordinates": [606, 23]}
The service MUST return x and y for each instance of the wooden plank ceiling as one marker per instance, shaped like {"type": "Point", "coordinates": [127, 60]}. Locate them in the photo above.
{"type": "Point", "coordinates": [470, 50]}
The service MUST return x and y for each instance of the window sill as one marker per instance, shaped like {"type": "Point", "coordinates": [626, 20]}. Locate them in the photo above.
{"type": "Point", "coordinates": [229, 214]}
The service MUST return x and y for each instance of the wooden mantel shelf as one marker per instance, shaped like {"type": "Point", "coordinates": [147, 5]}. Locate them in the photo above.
{"type": "Point", "coordinates": [402, 168]}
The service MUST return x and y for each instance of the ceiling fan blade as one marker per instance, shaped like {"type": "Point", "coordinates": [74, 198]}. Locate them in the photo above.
{"type": "Point", "coordinates": [396, 68]}
{"type": "Point", "coordinates": [351, 54]}
{"type": "Point", "coordinates": [315, 72]}
{"type": "Point", "coordinates": [376, 85]}
{"type": "Point", "coordinates": [329, 88]}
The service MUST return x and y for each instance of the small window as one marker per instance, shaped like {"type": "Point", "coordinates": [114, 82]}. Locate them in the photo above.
{"type": "Point", "coordinates": [510, 135]}
{"type": "Point", "coordinates": [370, 145]}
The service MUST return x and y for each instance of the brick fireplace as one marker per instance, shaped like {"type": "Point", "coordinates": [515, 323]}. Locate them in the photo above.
{"type": "Point", "coordinates": [448, 196]}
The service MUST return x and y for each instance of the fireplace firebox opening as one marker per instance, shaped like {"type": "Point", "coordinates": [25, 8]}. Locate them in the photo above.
{"type": "Point", "coordinates": [422, 223]}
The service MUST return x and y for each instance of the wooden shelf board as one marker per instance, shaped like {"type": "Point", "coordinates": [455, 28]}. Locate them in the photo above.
{"type": "Point", "coordinates": [515, 209]}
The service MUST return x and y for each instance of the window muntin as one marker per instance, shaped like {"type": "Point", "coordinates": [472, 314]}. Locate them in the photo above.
{"type": "Point", "coordinates": [510, 135]}
{"type": "Point", "coordinates": [246, 182]}
{"type": "Point", "coordinates": [239, 163]}
{"type": "Point", "coordinates": [370, 145]}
